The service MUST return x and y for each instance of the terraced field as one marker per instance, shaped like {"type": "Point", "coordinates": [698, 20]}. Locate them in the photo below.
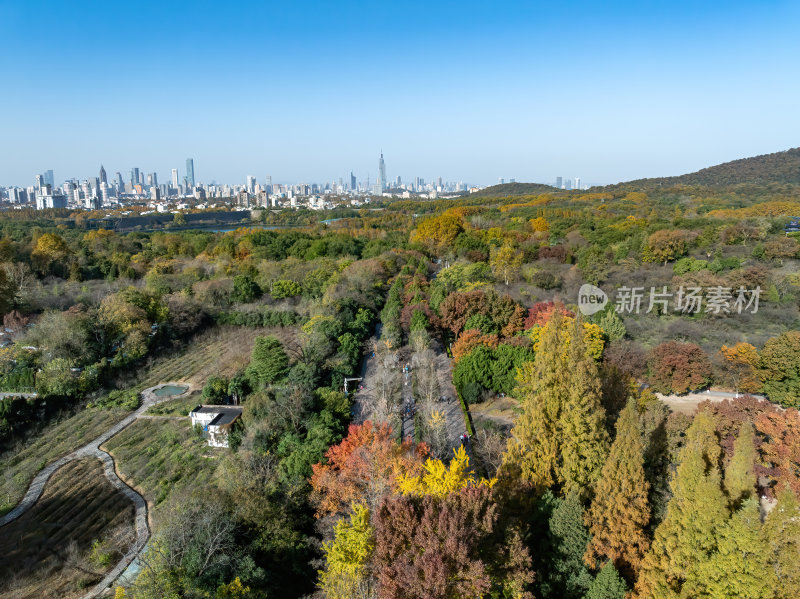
{"type": "Point", "coordinates": [219, 351]}
{"type": "Point", "coordinates": [18, 467]}
{"type": "Point", "coordinates": [45, 552]}
{"type": "Point", "coordinates": [160, 457]}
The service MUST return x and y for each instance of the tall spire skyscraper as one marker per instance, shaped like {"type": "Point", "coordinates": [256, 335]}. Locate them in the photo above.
{"type": "Point", "coordinates": [103, 178]}
{"type": "Point", "coordinates": [190, 172]}
{"type": "Point", "coordinates": [381, 185]}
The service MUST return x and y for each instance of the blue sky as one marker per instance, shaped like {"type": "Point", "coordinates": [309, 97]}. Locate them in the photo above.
{"type": "Point", "coordinates": [307, 91]}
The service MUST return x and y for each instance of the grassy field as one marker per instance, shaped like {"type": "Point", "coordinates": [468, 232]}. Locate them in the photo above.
{"type": "Point", "coordinates": [161, 457]}
{"type": "Point", "coordinates": [19, 465]}
{"type": "Point", "coordinates": [47, 552]}
{"type": "Point", "coordinates": [180, 406]}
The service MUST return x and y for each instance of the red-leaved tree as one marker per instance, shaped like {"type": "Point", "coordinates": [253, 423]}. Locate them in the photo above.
{"type": "Point", "coordinates": [678, 367]}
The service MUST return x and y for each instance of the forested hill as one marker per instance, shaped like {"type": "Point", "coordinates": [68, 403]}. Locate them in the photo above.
{"type": "Point", "coordinates": [513, 189]}
{"type": "Point", "coordinates": [780, 168]}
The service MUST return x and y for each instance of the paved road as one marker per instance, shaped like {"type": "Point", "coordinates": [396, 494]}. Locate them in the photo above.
{"type": "Point", "coordinates": [25, 395]}
{"type": "Point", "coordinates": [92, 449]}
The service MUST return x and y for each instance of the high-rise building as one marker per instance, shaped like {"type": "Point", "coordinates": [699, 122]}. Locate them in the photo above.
{"type": "Point", "coordinates": [190, 172]}
{"type": "Point", "coordinates": [381, 185]}
{"type": "Point", "coordinates": [103, 178]}
{"type": "Point", "coordinates": [559, 181]}
{"type": "Point", "coordinates": [120, 182]}
{"type": "Point", "coordinates": [175, 178]}
{"type": "Point", "coordinates": [154, 180]}
{"type": "Point", "coordinates": [251, 184]}
{"type": "Point", "coordinates": [40, 182]}
{"type": "Point", "coordinates": [49, 179]}
{"type": "Point", "coordinates": [134, 176]}
{"type": "Point", "coordinates": [352, 181]}
{"type": "Point", "coordinates": [577, 182]}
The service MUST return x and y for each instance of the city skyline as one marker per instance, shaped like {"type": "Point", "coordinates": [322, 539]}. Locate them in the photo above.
{"type": "Point", "coordinates": [474, 92]}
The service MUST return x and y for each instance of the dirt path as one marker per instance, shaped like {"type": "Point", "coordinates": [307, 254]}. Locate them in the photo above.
{"type": "Point", "coordinates": [686, 404]}
{"type": "Point", "coordinates": [92, 449]}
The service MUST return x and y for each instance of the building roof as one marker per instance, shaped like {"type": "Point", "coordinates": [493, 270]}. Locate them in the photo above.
{"type": "Point", "coordinates": [224, 414]}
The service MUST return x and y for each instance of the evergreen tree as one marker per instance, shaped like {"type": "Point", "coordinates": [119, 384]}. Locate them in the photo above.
{"type": "Point", "coordinates": [582, 427]}
{"type": "Point", "coordinates": [567, 573]}
{"type": "Point", "coordinates": [782, 529]}
{"type": "Point", "coordinates": [740, 477]}
{"type": "Point", "coordinates": [607, 585]}
{"type": "Point", "coordinates": [686, 538]}
{"type": "Point", "coordinates": [740, 566]}
{"type": "Point", "coordinates": [620, 510]}
{"type": "Point", "coordinates": [533, 447]}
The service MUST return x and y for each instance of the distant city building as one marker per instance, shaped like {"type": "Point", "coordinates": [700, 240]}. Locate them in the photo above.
{"type": "Point", "coordinates": [250, 183]}
{"type": "Point", "coordinates": [559, 182]}
{"type": "Point", "coordinates": [47, 198]}
{"type": "Point", "coordinates": [380, 186]}
{"type": "Point", "coordinates": [577, 182]}
{"type": "Point", "coordinates": [39, 181]}
{"type": "Point", "coordinates": [175, 178]}
{"type": "Point", "coordinates": [190, 172]}
{"type": "Point", "coordinates": [120, 182]}
{"type": "Point", "coordinates": [103, 178]}
{"type": "Point", "coordinates": [134, 177]}
{"type": "Point", "coordinates": [49, 179]}
{"type": "Point", "coordinates": [352, 181]}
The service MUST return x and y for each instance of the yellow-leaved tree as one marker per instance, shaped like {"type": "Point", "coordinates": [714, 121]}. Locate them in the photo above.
{"type": "Point", "coordinates": [439, 480]}
{"type": "Point", "coordinates": [347, 557]}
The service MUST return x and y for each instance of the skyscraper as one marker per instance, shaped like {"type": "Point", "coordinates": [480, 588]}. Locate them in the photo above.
{"type": "Point", "coordinates": [190, 172]}
{"type": "Point", "coordinates": [352, 181]}
{"type": "Point", "coordinates": [175, 178]}
{"type": "Point", "coordinates": [40, 181]}
{"type": "Point", "coordinates": [577, 182]}
{"type": "Point", "coordinates": [49, 179]}
{"type": "Point", "coordinates": [251, 184]}
{"type": "Point", "coordinates": [559, 182]}
{"type": "Point", "coordinates": [134, 176]}
{"type": "Point", "coordinates": [103, 178]}
{"type": "Point", "coordinates": [120, 182]}
{"type": "Point", "coordinates": [381, 185]}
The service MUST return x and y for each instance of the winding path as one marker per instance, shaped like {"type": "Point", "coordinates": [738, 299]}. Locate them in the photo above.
{"type": "Point", "coordinates": [92, 449]}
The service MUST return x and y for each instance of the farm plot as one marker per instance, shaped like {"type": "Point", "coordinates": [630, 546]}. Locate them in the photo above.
{"type": "Point", "coordinates": [219, 351]}
{"type": "Point", "coordinates": [77, 531]}
{"type": "Point", "coordinates": [162, 457]}
{"type": "Point", "coordinates": [18, 466]}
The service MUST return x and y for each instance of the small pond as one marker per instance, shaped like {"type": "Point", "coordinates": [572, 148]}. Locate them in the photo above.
{"type": "Point", "coordinates": [170, 390]}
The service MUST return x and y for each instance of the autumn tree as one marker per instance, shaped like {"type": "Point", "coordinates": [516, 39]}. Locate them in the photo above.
{"type": "Point", "coordinates": [667, 244]}
{"type": "Point", "coordinates": [438, 233]}
{"type": "Point", "coordinates": [678, 367]}
{"type": "Point", "coordinates": [447, 548]}
{"type": "Point", "coordinates": [738, 364]}
{"type": "Point", "coordinates": [781, 450]}
{"type": "Point", "coordinates": [619, 513]}
{"type": "Point", "coordinates": [458, 307]}
{"type": "Point", "coordinates": [560, 435]}
{"type": "Point", "coordinates": [540, 313]}
{"type": "Point", "coordinates": [584, 440]}
{"type": "Point", "coordinates": [779, 369]}
{"type": "Point", "coordinates": [362, 468]}
{"type": "Point", "coordinates": [505, 262]}
{"type": "Point", "coordinates": [347, 558]}
{"type": "Point", "coordinates": [697, 512]}
{"type": "Point", "coordinates": [439, 480]}
{"type": "Point", "coordinates": [469, 340]}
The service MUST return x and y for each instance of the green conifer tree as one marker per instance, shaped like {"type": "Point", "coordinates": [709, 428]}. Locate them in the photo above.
{"type": "Point", "coordinates": [534, 445]}
{"type": "Point", "coordinates": [782, 529]}
{"type": "Point", "coordinates": [569, 578]}
{"type": "Point", "coordinates": [608, 584]}
{"type": "Point", "coordinates": [581, 423]}
{"type": "Point", "coordinates": [739, 568]}
{"type": "Point", "coordinates": [687, 536]}
{"type": "Point", "coordinates": [620, 511]}
{"type": "Point", "coordinates": [740, 478]}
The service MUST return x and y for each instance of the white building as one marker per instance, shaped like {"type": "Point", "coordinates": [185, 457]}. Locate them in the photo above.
{"type": "Point", "coordinates": [216, 422]}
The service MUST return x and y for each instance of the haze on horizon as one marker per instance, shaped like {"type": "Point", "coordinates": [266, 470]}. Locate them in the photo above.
{"type": "Point", "coordinates": [466, 91]}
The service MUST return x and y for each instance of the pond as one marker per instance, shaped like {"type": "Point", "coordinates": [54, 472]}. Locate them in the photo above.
{"type": "Point", "coordinates": [170, 390]}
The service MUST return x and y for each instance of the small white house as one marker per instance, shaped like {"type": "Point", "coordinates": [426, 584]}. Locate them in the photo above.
{"type": "Point", "coordinates": [216, 422]}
